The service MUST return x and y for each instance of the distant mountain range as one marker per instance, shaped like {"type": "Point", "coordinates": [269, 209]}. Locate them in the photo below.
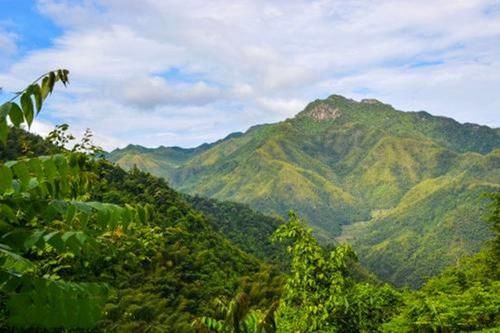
{"type": "Point", "coordinates": [404, 188]}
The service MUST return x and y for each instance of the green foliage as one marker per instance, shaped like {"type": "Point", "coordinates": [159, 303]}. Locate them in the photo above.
{"type": "Point", "coordinates": [46, 224]}
{"type": "Point", "coordinates": [59, 136]}
{"type": "Point", "coordinates": [162, 274]}
{"type": "Point", "coordinates": [249, 230]}
{"type": "Point", "coordinates": [31, 100]}
{"type": "Point", "coordinates": [193, 266]}
{"type": "Point", "coordinates": [56, 304]}
{"type": "Point", "coordinates": [159, 275]}
{"type": "Point", "coordinates": [433, 226]}
{"type": "Point", "coordinates": [320, 294]}
{"type": "Point", "coordinates": [237, 317]}
{"type": "Point", "coordinates": [21, 143]}
{"type": "Point", "coordinates": [465, 297]}
{"type": "Point", "coordinates": [409, 175]}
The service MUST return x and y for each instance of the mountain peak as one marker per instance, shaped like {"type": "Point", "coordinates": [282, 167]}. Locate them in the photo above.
{"type": "Point", "coordinates": [340, 98]}
{"type": "Point", "coordinates": [328, 109]}
{"type": "Point", "coordinates": [336, 105]}
{"type": "Point", "coordinates": [323, 111]}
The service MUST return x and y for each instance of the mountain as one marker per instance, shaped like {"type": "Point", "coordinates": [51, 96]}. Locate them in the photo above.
{"type": "Point", "coordinates": [404, 188]}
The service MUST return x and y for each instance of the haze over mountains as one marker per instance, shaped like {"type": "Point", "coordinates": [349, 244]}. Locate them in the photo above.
{"type": "Point", "coordinates": [404, 188]}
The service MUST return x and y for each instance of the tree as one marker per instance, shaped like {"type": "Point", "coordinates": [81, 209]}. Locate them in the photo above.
{"type": "Point", "coordinates": [320, 294]}
{"type": "Point", "coordinates": [462, 298]}
{"type": "Point", "coordinates": [238, 318]}
{"type": "Point", "coordinates": [47, 224]}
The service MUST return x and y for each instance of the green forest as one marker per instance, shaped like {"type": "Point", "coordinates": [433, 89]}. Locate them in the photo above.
{"type": "Point", "coordinates": [89, 246]}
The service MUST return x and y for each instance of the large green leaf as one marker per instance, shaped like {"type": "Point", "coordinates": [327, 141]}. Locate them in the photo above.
{"type": "Point", "coordinates": [37, 94]}
{"type": "Point", "coordinates": [21, 171]}
{"type": "Point", "coordinates": [45, 89]}
{"type": "Point", "coordinates": [14, 263]}
{"type": "Point", "coordinates": [4, 110]}
{"type": "Point", "coordinates": [16, 114]}
{"type": "Point", "coordinates": [5, 179]}
{"type": "Point", "coordinates": [27, 105]}
{"type": "Point", "coordinates": [56, 304]}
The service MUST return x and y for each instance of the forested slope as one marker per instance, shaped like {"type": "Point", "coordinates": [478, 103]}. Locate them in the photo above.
{"type": "Point", "coordinates": [249, 230]}
{"type": "Point", "coordinates": [167, 273]}
{"type": "Point", "coordinates": [339, 162]}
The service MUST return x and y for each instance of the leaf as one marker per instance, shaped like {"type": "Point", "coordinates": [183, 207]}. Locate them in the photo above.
{"type": "Point", "coordinates": [35, 166]}
{"type": "Point", "coordinates": [56, 242]}
{"type": "Point", "coordinates": [14, 262]}
{"type": "Point", "coordinates": [50, 169]}
{"type": "Point", "coordinates": [4, 131]}
{"type": "Point", "coordinates": [16, 115]}
{"type": "Point", "coordinates": [37, 93]}
{"type": "Point", "coordinates": [33, 239]}
{"type": "Point", "coordinates": [61, 76]}
{"type": "Point", "coordinates": [33, 183]}
{"type": "Point", "coordinates": [4, 110]}
{"type": "Point", "coordinates": [66, 73]}
{"type": "Point", "coordinates": [8, 212]}
{"type": "Point", "coordinates": [70, 214]}
{"type": "Point", "coordinates": [27, 105]}
{"type": "Point", "coordinates": [46, 301]}
{"type": "Point", "coordinates": [51, 81]}
{"type": "Point", "coordinates": [81, 237]}
{"type": "Point", "coordinates": [82, 207]}
{"type": "Point", "coordinates": [48, 236]}
{"type": "Point", "coordinates": [5, 179]}
{"type": "Point", "coordinates": [45, 89]}
{"type": "Point", "coordinates": [67, 235]}
{"type": "Point", "coordinates": [21, 171]}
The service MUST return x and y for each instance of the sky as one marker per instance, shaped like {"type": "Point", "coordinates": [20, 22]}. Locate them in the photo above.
{"type": "Point", "coordinates": [160, 72]}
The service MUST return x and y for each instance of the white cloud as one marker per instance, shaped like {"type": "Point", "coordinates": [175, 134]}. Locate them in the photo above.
{"type": "Point", "coordinates": [8, 48]}
{"type": "Point", "coordinates": [244, 62]}
{"type": "Point", "coordinates": [8, 44]}
{"type": "Point", "coordinates": [41, 127]}
{"type": "Point", "coordinates": [153, 91]}
{"type": "Point", "coordinates": [280, 106]}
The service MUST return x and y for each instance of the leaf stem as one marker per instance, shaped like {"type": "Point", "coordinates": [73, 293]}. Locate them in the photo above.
{"type": "Point", "coordinates": [17, 94]}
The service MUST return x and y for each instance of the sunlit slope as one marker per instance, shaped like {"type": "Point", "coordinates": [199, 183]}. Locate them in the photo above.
{"type": "Point", "coordinates": [340, 161]}
{"type": "Point", "coordinates": [434, 224]}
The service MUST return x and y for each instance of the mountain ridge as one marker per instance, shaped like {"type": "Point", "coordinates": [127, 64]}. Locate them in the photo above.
{"type": "Point", "coordinates": [340, 161]}
{"type": "Point", "coordinates": [231, 135]}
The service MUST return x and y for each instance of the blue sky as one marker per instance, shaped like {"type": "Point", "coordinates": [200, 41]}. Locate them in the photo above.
{"type": "Point", "coordinates": [28, 29]}
{"type": "Point", "coordinates": [183, 73]}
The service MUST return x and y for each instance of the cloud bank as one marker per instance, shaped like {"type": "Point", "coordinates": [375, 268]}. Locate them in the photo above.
{"type": "Point", "coordinates": [183, 73]}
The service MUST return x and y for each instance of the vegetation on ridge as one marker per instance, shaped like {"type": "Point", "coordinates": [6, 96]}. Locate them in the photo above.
{"type": "Point", "coordinates": [339, 162]}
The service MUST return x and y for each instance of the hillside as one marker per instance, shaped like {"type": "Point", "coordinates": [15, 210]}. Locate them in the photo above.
{"type": "Point", "coordinates": [249, 230]}
{"type": "Point", "coordinates": [167, 276]}
{"type": "Point", "coordinates": [339, 162]}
